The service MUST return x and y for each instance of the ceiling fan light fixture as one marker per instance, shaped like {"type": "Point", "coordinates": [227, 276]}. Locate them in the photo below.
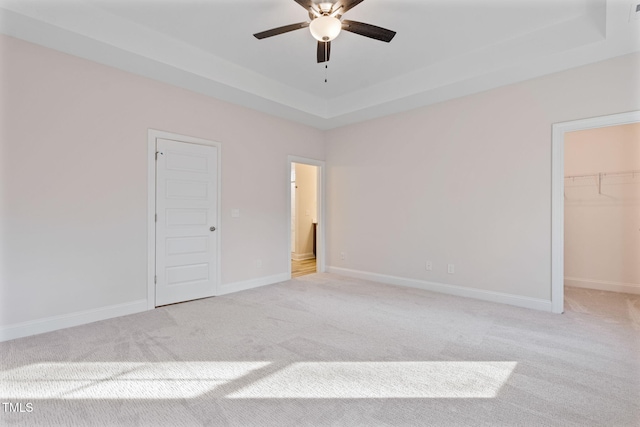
{"type": "Point", "coordinates": [325, 28]}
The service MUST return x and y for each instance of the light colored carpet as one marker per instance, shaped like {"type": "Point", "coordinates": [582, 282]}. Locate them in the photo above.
{"type": "Point", "coordinates": [328, 350]}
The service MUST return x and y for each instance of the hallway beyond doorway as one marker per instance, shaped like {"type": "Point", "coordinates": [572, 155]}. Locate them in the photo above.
{"type": "Point", "coordinates": [302, 268]}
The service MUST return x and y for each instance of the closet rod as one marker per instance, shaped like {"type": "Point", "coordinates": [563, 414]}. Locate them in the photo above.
{"type": "Point", "coordinates": [603, 174]}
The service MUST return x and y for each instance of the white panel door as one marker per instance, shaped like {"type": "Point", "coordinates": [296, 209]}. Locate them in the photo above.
{"type": "Point", "coordinates": [186, 207]}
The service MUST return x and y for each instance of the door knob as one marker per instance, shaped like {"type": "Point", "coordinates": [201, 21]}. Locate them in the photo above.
{"type": "Point", "coordinates": [212, 228]}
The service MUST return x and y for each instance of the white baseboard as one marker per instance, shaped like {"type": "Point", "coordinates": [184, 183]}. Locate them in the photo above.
{"type": "Point", "coordinates": [54, 323]}
{"type": "Point", "coordinates": [461, 291]}
{"type": "Point", "coordinates": [253, 283]}
{"type": "Point", "coordinates": [601, 285]}
{"type": "Point", "coordinates": [302, 257]}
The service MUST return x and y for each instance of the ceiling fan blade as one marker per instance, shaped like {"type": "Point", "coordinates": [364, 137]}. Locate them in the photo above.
{"type": "Point", "coordinates": [324, 51]}
{"type": "Point", "coordinates": [368, 30]}
{"type": "Point", "coordinates": [346, 5]}
{"type": "Point", "coordinates": [305, 3]}
{"type": "Point", "coordinates": [280, 30]}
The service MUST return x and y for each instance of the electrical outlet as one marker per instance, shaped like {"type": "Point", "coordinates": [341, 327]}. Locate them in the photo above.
{"type": "Point", "coordinates": [343, 256]}
{"type": "Point", "coordinates": [451, 268]}
{"type": "Point", "coordinates": [428, 266]}
{"type": "Point", "coordinates": [235, 213]}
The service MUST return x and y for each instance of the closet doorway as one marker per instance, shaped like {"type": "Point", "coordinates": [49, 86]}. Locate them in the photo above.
{"type": "Point", "coordinates": [559, 131]}
{"type": "Point", "coordinates": [602, 209]}
{"type": "Point", "coordinates": [305, 211]}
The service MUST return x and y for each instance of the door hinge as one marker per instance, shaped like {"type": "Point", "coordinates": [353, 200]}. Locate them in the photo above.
{"type": "Point", "coordinates": [155, 279]}
{"type": "Point", "coordinates": [156, 217]}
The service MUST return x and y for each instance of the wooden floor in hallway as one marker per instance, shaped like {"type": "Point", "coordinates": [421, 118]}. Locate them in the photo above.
{"type": "Point", "coordinates": [302, 268]}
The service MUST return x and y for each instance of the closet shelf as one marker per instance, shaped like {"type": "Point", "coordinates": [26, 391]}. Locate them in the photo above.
{"type": "Point", "coordinates": [600, 175]}
{"type": "Point", "coordinates": [605, 174]}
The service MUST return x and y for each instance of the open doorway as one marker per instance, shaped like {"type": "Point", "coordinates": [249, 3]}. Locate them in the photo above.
{"type": "Point", "coordinates": [305, 223]}
{"type": "Point", "coordinates": [560, 132]}
{"type": "Point", "coordinates": [602, 208]}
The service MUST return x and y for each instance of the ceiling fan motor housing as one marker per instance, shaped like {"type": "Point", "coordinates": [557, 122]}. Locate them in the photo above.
{"type": "Point", "coordinates": [325, 7]}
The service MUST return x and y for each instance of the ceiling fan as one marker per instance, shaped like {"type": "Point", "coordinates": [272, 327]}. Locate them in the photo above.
{"type": "Point", "coordinates": [325, 25]}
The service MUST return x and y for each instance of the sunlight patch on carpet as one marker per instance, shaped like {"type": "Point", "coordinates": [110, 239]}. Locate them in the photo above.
{"type": "Point", "coordinates": [376, 380]}
{"type": "Point", "coordinates": [121, 380]}
{"type": "Point", "coordinates": [256, 380]}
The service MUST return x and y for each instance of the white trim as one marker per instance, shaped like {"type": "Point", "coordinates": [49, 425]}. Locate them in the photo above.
{"type": "Point", "coordinates": [302, 257]}
{"type": "Point", "coordinates": [154, 134]}
{"type": "Point", "coordinates": [151, 222]}
{"type": "Point", "coordinates": [48, 324]}
{"type": "Point", "coordinates": [253, 283]}
{"type": "Point", "coordinates": [603, 285]}
{"type": "Point", "coordinates": [557, 219]}
{"type": "Point", "coordinates": [320, 230]}
{"type": "Point", "coordinates": [461, 291]}
{"type": "Point", "coordinates": [557, 193]}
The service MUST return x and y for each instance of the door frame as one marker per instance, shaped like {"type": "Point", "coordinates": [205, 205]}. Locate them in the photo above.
{"type": "Point", "coordinates": [154, 134]}
{"type": "Point", "coordinates": [557, 193]}
{"type": "Point", "coordinates": [320, 199]}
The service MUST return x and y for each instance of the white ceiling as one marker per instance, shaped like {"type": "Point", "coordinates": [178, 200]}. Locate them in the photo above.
{"type": "Point", "coordinates": [443, 48]}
